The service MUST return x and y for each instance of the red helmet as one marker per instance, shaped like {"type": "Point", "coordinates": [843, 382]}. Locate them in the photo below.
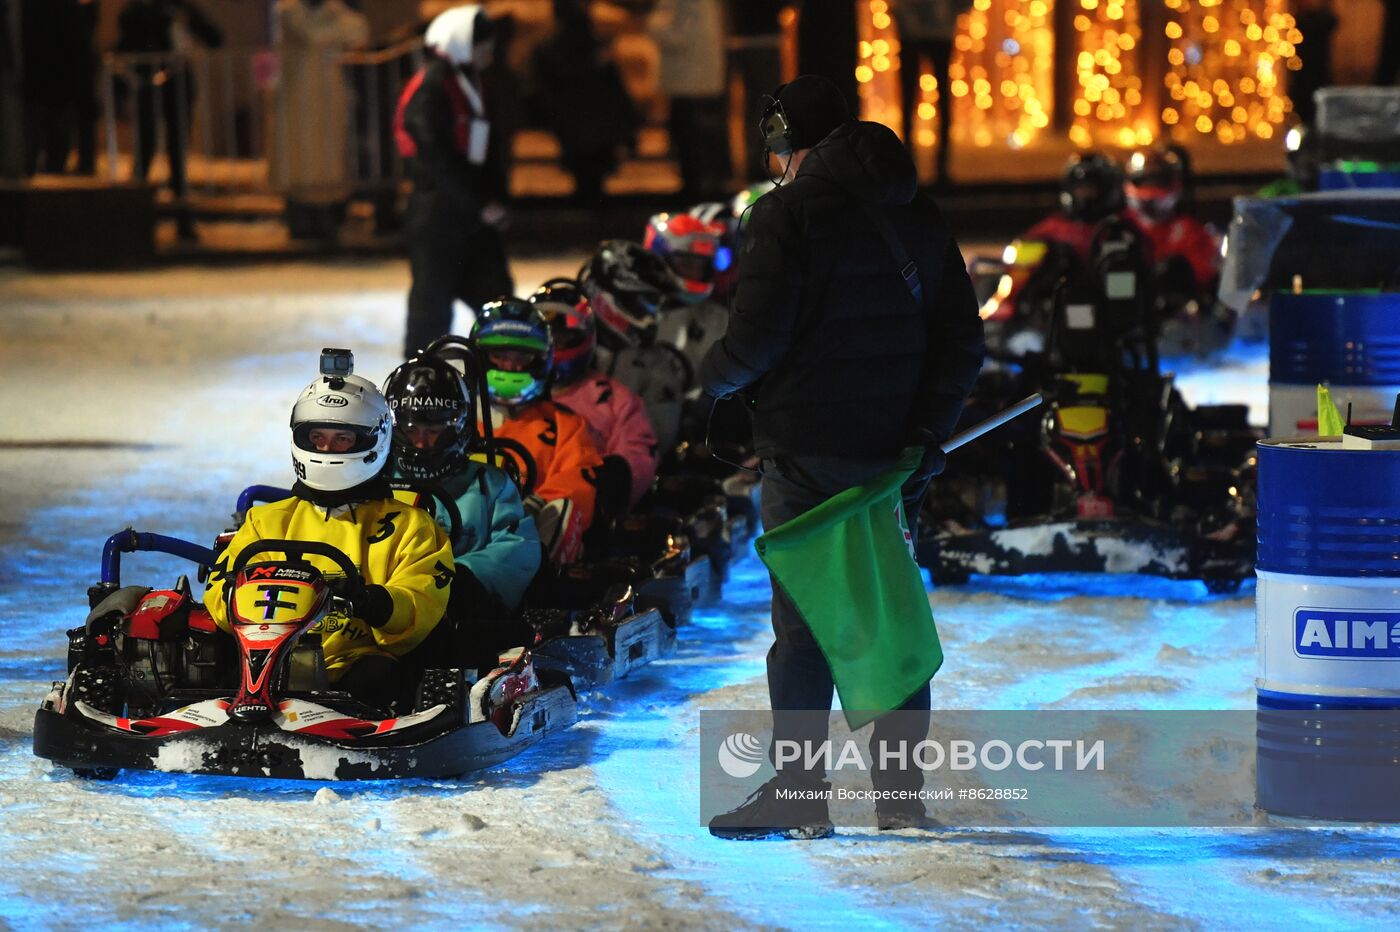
{"type": "Point", "coordinates": [693, 248]}
{"type": "Point", "coordinates": [571, 321]}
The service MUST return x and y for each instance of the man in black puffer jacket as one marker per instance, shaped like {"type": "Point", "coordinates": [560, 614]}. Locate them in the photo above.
{"type": "Point", "coordinates": [843, 362]}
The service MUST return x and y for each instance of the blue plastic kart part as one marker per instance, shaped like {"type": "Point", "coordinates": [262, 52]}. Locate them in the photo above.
{"type": "Point", "coordinates": [260, 493]}
{"type": "Point", "coordinates": [129, 541]}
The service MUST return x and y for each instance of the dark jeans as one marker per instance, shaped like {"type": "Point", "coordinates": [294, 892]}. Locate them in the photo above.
{"type": "Point", "coordinates": [451, 256]}
{"type": "Point", "coordinates": [170, 104]}
{"type": "Point", "coordinates": [799, 679]}
{"type": "Point", "coordinates": [939, 55]}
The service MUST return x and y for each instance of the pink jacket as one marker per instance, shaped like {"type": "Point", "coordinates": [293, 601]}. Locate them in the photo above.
{"type": "Point", "coordinates": [618, 421]}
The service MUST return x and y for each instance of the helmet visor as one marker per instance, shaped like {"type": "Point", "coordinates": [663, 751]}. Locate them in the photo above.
{"type": "Point", "coordinates": [330, 437]}
{"type": "Point", "coordinates": [692, 266]}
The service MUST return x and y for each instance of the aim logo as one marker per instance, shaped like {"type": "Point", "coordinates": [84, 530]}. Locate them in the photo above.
{"type": "Point", "coordinates": [1346, 635]}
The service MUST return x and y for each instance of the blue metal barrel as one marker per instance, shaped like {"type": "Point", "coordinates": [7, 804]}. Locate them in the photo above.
{"type": "Point", "coordinates": [1328, 630]}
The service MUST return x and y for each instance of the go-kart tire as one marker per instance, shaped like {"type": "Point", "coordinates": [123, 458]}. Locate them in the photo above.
{"type": "Point", "coordinates": [949, 576]}
{"type": "Point", "coordinates": [442, 687]}
{"type": "Point", "coordinates": [99, 687]}
{"type": "Point", "coordinates": [1223, 585]}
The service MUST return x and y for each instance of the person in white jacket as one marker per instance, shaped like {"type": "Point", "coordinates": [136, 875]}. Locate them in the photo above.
{"type": "Point", "coordinates": [311, 119]}
{"type": "Point", "coordinates": [690, 35]}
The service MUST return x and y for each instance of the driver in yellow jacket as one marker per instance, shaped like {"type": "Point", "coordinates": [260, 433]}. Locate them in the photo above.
{"type": "Point", "coordinates": [340, 446]}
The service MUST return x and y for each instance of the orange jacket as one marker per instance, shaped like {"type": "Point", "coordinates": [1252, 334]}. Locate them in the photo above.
{"type": "Point", "coordinates": [566, 459]}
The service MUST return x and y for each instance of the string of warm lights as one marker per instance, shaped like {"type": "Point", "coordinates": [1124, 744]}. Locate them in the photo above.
{"type": "Point", "coordinates": [1225, 63]}
{"type": "Point", "coordinates": [1108, 100]}
{"type": "Point", "coordinates": [1000, 75]}
{"type": "Point", "coordinates": [1222, 74]}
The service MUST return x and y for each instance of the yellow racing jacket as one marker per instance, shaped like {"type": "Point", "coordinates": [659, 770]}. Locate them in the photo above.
{"type": "Point", "coordinates": [394, 545]}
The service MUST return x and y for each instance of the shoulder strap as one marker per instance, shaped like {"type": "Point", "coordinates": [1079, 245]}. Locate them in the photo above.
{"type": "Point", "coordinates": [907, 269]}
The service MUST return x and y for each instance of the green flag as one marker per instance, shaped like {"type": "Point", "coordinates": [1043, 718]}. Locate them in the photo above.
{"type": "Point", "coordinates": [848, 565]}
{"type": "Point", "coordinates": [1329, 419]}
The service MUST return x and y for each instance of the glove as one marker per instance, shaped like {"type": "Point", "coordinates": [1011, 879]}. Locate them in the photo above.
{"type": "Point", "coordinates": [614, 486]}
{"type": "Point", "coordinates": [467, 595]}
{"type": "Point", "coordinates": [372, 604]}
{"type": "Point", "coordinates": [933, 463]}
{"type": "Point", "coordinates": [558, 527]}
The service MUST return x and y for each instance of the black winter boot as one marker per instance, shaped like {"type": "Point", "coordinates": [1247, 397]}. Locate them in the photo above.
{"type": "Point", "coordinates": [778, 809]}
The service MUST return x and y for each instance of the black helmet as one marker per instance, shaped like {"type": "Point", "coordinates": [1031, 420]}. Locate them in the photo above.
{"type": "Point", "coordinates": [572, 324]}
{"type": "Point", "coordinates": [626, 285]}
{"type": "Point", "coordinates": [1091, 187]}
{"type": "Point", "coordinates": [427, 392]}
{"type": "Point", "coordinates": [1156, 182]}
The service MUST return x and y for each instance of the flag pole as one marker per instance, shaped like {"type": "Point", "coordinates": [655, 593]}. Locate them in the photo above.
{"type": "Point", "coordinates": [993, 422]}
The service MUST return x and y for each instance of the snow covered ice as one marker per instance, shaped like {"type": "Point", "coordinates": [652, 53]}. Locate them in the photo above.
{"type": "Point", "coordinates": [151, 399]}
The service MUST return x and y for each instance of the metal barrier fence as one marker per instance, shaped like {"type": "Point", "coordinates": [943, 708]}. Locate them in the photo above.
{"type": "Point", "coordinates": [306, 124]}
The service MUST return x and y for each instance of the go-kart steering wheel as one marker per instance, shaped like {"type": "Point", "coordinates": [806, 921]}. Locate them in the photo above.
{"type": "Point", "coordinates": [296, 550]}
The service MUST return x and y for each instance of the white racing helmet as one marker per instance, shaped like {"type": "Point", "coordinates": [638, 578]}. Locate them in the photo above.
{"type": "Point", "coordinates": [350, 403]}
{"type": "Point", "coordinates": [455, 32]}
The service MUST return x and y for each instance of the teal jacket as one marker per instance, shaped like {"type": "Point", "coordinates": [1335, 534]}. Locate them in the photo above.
{"type": "Point", "coordinates": [498, 542]}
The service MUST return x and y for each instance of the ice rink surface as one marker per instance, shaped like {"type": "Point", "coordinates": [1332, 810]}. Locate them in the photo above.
{"type": "Point", "coordinates": [150, 399]}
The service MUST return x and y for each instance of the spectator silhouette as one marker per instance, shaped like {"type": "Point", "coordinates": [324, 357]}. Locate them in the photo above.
{"type": "Point", "coordinates": [165, 89]}
{"type": "Point", "coordinates": [926, 32]}
{"type": "Point", "coordinates": [579, 94]}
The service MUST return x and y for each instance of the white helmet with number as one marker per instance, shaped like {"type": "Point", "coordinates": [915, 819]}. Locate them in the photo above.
{"type": "Point", "coordinates": [343, 403]}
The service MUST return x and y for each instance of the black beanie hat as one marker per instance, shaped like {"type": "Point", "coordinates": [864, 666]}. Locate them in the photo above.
{"type": "Point", "coordinates": [814, 107]}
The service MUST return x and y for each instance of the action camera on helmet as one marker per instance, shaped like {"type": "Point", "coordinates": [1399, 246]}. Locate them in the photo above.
{"type": "Point", "coordinates": [337, 363]}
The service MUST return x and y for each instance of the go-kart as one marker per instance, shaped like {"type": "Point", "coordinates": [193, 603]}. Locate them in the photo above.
{"type": "Point", "coordinates": [154, 685]}
{"type": "Point", "coordinates": [1018, 294]}
{"type": "Point", "coordinates": [1118, 475]}
{"type": "Point", "coordinates": [611, 638]}
{"type": "Point", "coordinates": [629, 611]}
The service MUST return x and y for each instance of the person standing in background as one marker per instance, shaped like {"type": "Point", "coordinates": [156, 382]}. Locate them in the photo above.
{"type": "Point", "coordinates": [579, 93]}
{"type": "Point", "coordinates": [150, 27]}
{"type": "Point", "coordinates": [60, 70]}
{"type": "Point", "coordinates": [1317, 22]}
{"type": "Point", "coordinates": [443, 131]}
{"type": "Point", "coordinates": [926, 32]}
{"type": "Point", "coordinates": [827, 42]}
{"type": "Point", "coordinates": [1389, 61]}
{"type": "Point", "coordinates": [690, 34]}
{"type": "Point", "coordinates": [311, 117]}
{"type": "Point", "coordinates": [757, 56]}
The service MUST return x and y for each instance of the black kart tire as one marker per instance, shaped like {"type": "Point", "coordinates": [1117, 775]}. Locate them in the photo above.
{"type": "Point", "coordinates": [949, 576]}
{"type": "Point", "coordinates": [99, 687]}
{"type": "Point", "coordinates": [1223, 585]}
{"type": "Point", "coordinates": [442, 687]}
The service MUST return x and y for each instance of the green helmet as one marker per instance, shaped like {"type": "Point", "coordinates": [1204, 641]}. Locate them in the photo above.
{"type": "Point", "coordinates": [516, 326]}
